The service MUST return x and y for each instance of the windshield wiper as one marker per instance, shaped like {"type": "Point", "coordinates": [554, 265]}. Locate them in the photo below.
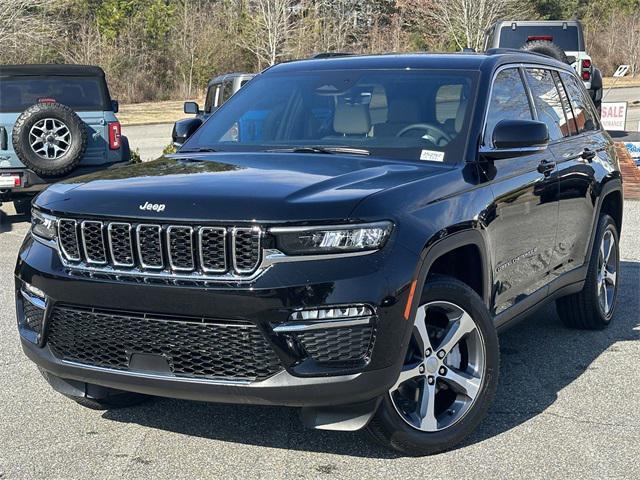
{"type": "Point", "coordinates": [198, 150]}
{"type": "Point", "coordinates": [321, 149]}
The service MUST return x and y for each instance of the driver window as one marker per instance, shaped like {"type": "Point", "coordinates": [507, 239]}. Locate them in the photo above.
{"type": "Point", "coordinates": [508, 101]}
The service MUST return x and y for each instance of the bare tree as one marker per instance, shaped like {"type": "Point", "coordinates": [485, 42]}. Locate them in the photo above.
{"type": "Point", "coordinates": [24, 22]}
{"type": "Point", "coordinates": [465, 21]}
{"type": "Point", "coordinates": [268, 29]}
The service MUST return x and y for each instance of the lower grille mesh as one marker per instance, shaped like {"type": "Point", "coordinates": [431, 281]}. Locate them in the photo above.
{"type": "Point", "coordinates": [338, 345]}
{"type": "Point", "coordinates": [32, 317]}
{"type": "Point", "coordinates": [191, 348]}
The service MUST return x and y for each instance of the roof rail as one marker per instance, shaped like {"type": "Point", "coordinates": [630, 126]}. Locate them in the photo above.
{"type": "Point", "coordinates": [331, 55]}
{"type": "Point", "coordinates": [498, 51]}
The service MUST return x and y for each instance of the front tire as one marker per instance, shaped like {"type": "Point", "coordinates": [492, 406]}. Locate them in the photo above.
{"type": "Point", "coordinates": [449, 376]}
{"type": "Point", "coordinates": [594, 306]}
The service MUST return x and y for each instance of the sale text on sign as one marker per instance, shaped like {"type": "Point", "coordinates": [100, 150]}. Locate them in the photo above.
{"type": "Point", "coordinates": [614, 115]}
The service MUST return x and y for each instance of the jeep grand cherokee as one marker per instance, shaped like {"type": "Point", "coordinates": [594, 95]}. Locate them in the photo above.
{"type": "Point", "coordinates": [345, 235]}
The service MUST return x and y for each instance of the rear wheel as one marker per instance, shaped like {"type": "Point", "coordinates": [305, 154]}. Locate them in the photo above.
{"type": "Point", "coordinates": [594, 306]}
{"type": "Point", "coordinates": [449, 376]}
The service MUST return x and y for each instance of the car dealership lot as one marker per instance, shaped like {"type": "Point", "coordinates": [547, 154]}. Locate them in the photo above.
{"type": "Point", "coordinates": [567, 406]}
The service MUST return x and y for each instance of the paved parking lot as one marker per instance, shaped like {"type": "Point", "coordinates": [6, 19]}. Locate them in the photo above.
{"type": "Point", "coordinates": [567, 407]}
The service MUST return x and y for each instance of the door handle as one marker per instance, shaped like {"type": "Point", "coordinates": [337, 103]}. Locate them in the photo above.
{"type": "Point", "coordinates": [588, 154]}
{"type": "Point", "coordinates": [546, 166]}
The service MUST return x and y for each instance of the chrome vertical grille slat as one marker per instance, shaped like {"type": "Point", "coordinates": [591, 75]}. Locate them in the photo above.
{"type": "Point", "coordinates": [120, 244]}
{"type": "Point", "coordinates": [179, 250]}
{"type": "Point", "coordinates": [68, 237]}
{"type": "Point", "coordinates": [212, 244]}
{"type": "Point", "coordinates": [245, 249]}
{"type": "Point", "coordinates": [149, 243]}
{"type": "Point", "coordinates": [93, 242]}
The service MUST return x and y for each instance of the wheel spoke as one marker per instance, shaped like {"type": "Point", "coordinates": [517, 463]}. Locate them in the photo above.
{"type": "Point", "coordinates": [420, 328]}
{"type": "Point", "coordinates": [607, 250]}
{"type": "Point", "coordinates": [610, 278]}
{"type": "Point", "coordinates": [460, 327]}
{"type": "Point", "coordinates": [426, 407]}
{"type": "Point", "coordinates": [462, 382]}
{"type": "Point", "coordinates": [407, 373]}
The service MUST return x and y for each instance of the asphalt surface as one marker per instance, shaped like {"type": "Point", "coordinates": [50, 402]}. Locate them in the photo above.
{"type": "Point", "coordinates": [149, 140]}
{"type": "Point", "coordinates": [567, 407]}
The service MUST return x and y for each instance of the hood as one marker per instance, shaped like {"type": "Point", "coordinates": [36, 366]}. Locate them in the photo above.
{"type": "Point", "coordinates": [233, 187]}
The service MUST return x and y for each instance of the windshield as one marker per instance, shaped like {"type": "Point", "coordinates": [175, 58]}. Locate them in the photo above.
{"type": "Point", "coordinates": [566, 38]}
{"type": "Point", "coordinates": [79, 93]}
{"type": "Point", "coordinates": [404, 114]}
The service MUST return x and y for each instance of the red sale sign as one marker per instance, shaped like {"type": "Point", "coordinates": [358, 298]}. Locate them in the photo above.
{"type": "Point", "coordinates": [614, 116]}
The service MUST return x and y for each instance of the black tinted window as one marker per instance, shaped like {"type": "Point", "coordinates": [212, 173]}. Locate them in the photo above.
{"type": "Point", "coordinates": [211, 98]}
{"type": "Point", "coordinates": [547, 100]}
{"type": "Point", "coordinates": [81, 93]}
{"type": "Point", "coordinates": [580, 103]}
{"type": "Point", "coordinates": [508, 101]}
{"type": "Point", "coordinates": [566, 38]}
{"type": "Point", "coordinates": [571, 124]}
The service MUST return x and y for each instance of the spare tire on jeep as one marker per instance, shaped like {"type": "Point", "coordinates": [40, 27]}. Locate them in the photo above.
{"type": "Point", "coordinates": [49, 138]}
{"type": "Point", "coordinates": [545, 47]}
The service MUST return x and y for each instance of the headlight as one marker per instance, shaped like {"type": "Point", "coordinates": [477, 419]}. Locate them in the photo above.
{"type": "Point", "coordinates": [43, 225]}
{"type": "Point", "coordinates": [333, 239]}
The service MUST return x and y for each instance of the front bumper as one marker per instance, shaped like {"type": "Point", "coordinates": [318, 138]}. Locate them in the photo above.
{"type": "Point", "coordinates": [380, 280]}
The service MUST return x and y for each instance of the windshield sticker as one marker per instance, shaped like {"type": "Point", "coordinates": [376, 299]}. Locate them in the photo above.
{"type": "Point", "coordinates": [432, 156]}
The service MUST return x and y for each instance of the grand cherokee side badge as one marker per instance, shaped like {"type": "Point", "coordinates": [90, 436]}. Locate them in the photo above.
{"type": "Point", "coordinates": [155, 207]}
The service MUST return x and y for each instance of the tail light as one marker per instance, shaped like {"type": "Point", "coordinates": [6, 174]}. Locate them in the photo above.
{"type": "Point", "coordinates": [586, 69]}
{"type": "Point", "coordinates": [115, 134]}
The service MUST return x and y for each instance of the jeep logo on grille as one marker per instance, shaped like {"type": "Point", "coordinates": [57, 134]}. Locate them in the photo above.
{"type": "Point", "coordinates": [154, 207]}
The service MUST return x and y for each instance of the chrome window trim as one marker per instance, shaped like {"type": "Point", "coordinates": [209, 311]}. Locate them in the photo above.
{"type": "Point", "coordinates": [193, 259]}
{"type": "Point", "coordinates": [519, 66]}
{"type": "Point", "coordinates": [159, 231]}
{"type": "Point", "coordinates": [224, 248]}
{"type": "Point", "coordinates": [62, 249]}
{"type": "Point", "coordinates": [110, 241]}
{"type": "Point", "coordinates": [84, 241]}
{"type": "Point", "coordinates": [234, 232]}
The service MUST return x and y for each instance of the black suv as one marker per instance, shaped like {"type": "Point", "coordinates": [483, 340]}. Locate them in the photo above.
{"type": "Point", "coordinates": [353, 247]}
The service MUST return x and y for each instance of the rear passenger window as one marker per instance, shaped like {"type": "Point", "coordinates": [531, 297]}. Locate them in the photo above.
{"type": "Point", "coordinates": [508, 101]}
{"type": "Point", "coordinates": [568, 113]}
{"type": "Point", "coordinates": [547, 101]}
{"type": "Point", "coordinates": [582, 110]}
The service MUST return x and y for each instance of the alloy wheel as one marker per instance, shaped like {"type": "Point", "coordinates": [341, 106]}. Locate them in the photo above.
{"type": "Point", "coordinates": [50, 138]}
{"type": "Point", "coordinates": [607, 272]}
{"type": "Point", "coordinates": [443, 370]}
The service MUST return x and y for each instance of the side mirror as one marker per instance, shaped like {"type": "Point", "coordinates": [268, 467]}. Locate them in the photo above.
{"type": "Point", "coordinates": [183, 129]}
{"type": "Point", "coordinates": [571, 59]}
{"type": "Point", "coordinates": [115, 106]}
{"type": "Point", "coordinates": [512, 138]}
{"type": "Point", "coordinates": [191, 108]}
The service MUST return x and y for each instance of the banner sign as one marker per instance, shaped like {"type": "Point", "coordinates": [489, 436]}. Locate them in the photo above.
{"type": "Point", "coordinates": [634, 150]}
{"type": "Point", "coordinates": [614, 116]}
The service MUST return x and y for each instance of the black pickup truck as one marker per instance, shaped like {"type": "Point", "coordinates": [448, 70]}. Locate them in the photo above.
{"type": "Point", "coordinates": [347, 235]}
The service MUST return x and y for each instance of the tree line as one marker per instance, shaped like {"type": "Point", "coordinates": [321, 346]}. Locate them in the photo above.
{"type": "Point", "coordinates": [164, 49]}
